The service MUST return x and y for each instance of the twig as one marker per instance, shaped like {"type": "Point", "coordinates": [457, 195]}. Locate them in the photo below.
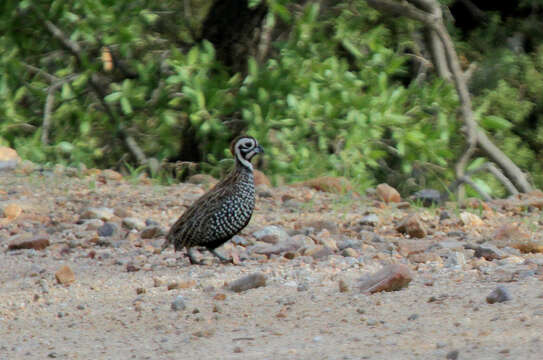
{"type": "Point", "coordinates": [49, 102]}
{"type": "Point", "coordinates": [467, 180]}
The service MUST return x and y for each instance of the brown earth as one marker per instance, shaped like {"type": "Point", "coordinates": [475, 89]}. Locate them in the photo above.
{"type": "Point", "coordinates": [311, 306]}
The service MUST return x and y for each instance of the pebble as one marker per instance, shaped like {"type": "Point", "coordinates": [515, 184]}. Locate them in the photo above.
{"type": "Point", "coordinates": [412, 226]}
{"type": "Point", "coordinates": [44, 286]}
{"type": "Point", "coordinates": [12, 211]}
{"type": "Point", "coordinates": [248, 282]}
{"type": "Point", "coordinates": [157, 282]}
{"type": "Point", "coordinates": [152, 231]}
{"type": "Point", "coordinates": [350, 252]}
{"type": "Point", "coordinates": [452, 355]}
{"type": "Point", "coordinates": [133, 223]}
{"type": "Point", "coordinates": [370, 220]}
{"type": "Point", "coordinates": [271, 234]}
{"type": "Point", "coordinates": [240, 240]}
{"type": "Point", "coordinates": [178, 304]}
{"type": "Point", "coordinates": [318, 252]}
{"type": "Point", "coordinates": [65, 275]}
{"type": "Point", "coordinates": [108, 229]}
{"type": "Point", "coordinates": [390, 278]}
{"type": "Point", "coordinates": [456, 260]}
{"type": "Point", "coordinates": [181, 284]}
{"type": "Point", "coordinates": [499, 294]}
{"type": "Point", "coordinates": [103, 213]}
{"type": "Point", "coordinates": [263, 191]}
{"type": "Point", "coordinates": [343, 287]}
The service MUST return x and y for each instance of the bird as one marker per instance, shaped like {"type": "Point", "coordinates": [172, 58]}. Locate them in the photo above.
{"type": "Point", "coordinates": [223, 211]}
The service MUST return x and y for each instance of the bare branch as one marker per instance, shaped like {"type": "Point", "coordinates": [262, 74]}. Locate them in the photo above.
{"type": "Point", "coordinates": [467, 180]}
{"type": "Point", "coordinates": [491, 168]}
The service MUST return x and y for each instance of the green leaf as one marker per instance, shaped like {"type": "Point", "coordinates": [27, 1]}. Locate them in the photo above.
{"type": "Point", "coordinates": [113, 97]}
{"type": "Point", "coordinates": [126, 106]}
{"type": "Point", "coordinates": [492, 122]}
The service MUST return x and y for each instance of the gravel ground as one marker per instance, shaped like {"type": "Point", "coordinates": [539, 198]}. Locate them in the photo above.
{"type": "Point", "coordinates": [121, 303]}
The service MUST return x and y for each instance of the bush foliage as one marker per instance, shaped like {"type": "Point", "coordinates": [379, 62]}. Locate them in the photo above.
{"type": "Point", "coordinates": [337, 95]}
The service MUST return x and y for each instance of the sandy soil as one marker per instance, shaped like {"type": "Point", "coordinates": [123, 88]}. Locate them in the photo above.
{"type": "Point", "coordinates": [109, 312]}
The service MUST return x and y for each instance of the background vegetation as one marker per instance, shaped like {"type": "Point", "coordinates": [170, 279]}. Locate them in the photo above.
{"type": "Point", "coordinates": [329, 87]}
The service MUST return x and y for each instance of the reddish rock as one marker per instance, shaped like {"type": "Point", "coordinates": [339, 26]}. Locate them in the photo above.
{"type": "Point", "coordinates": [261, 178]}
{"type": "Point", "coordinates": [331, 184]}
{"type": "Point", "coordinates": [412, 226]}
{"type": "Point", "coordinates": [343, 287]}
{"type": "Point", "coordinates": [390, 278]}
{"type": "Point", "coordinates": [36, 243]}
{"type": "Point", "coordinates": [388, 194]}
{"type": "Point", "coordinates": [12, 211]}
{"type": "Point", "coordinates": [181, 284]}
{"type": "Point", "coordinates": [8, 158]}
{"type": "Point", "coordinates": [110, 175]}
{"type": "Point", "coordinates": [469, 219]}
{"type": "Point", "coordinates": [65, 275]}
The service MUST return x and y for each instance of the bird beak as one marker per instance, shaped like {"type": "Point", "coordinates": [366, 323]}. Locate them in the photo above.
{"type": "Point", "coordinates": [259, 149]}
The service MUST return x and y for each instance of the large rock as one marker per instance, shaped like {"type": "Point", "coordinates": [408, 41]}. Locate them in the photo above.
{"type": "Point", "coordinates": [390, 278]}
{"type": "Point", "coordinates": [8, 158]}
{"type": "Point", "coordinates": [39, 242]}
{"type": "Point", "coordinates": [412, 226]}
{"type": "Point", "coordinates": [388, 194]}
{"type": "Point", "coordinates": [248, 282]}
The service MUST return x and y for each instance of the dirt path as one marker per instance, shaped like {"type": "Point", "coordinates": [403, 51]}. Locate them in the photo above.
{"type": "Point", "coordinates": [120, 307]}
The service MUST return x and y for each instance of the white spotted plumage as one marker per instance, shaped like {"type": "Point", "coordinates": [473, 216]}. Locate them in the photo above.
{"type": "Point", "coordinates": [223, 211]}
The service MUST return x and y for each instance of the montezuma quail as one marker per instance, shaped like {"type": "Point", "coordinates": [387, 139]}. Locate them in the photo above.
{"type": "Point", "coordinates": [224, 210]}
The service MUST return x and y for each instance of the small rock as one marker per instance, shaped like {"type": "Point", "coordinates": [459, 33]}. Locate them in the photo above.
{"type": "Point", "coordinates": [103, 213]}
{"type": "Point", "coordinates": [248, 282]}
{"type": "Point", "coordinates": [390, 278]}
{"type": "Point", "coordinates": [240, 240]}
{"type": "Point", "coordinates": [343, 287]}
{"type": "Point", "coordinates": [131, 267]}
{"type": "Point", "coordinates": [452, 355]}
{"type": "Point", "coordinates": [238, 349]}
{"type": "Point", "coordinates": [36, 243]}
{"type": "Point", "coordinates": [350, 252]}
{"type": "Point", "coordinates": [152, 231]}
{"type": "Point", "coordinates": [108, 229]}
{"type": "Point", "coordinates": [412, 226]}
{"type": "Point", "coordinates": [324, 238]}
{"type": "Point", "coordinates": [369, 220]}
{"type": "Point", "coordinates": [12, 211]}
{"type": "Point", "coordinates": [427, 197]}
{"type": "Point", "coordinates": [413, 317]}
{"type": "Point", "coordinates": [487, 251]}
{"type": "Point", "coordinates": [499, 294]}
{"type": "Point", "coordinates": [320, 224]}
{"type": "Point", "coordinates": [44, 286]}
{"type": "Point", "coordinates": [318, 252]}
{"type": "Point", "coordinates": [157, 282]}
{"type": "Point", "coordinates": [219, 297]}
{"type": "Point", "coordinates": [133, 223]}
{"type": "Point", "coordinates": [388, 194]}
{"type": "Point", "coordinates": [271, 234]}
{"type": "Point", "coordinates": [178, 304]}
{"type": "Point", "coordinates": [140, 290]}
{"type": "Point", "coordinates": [444, 215]}
{"type": "Point", "coordinates": [65, 275]}
{"type": "Point", "coordinates": [469, 219]}
{"type": "Point", "coordinates": [456, 260]}
{"type": "Point", "coordinates": [269, 249]}
{"type": "Point", "coordinates": [181, 284]}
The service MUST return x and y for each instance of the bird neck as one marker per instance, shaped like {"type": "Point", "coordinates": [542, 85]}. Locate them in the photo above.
{"type": "Point", "coordinates": [241, 163]}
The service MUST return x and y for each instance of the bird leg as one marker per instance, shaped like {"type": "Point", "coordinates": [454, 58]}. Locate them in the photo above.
{"type": "Point", "coordinates": [220, 256]}
{"type": "Point", "coordinates": [192, 257]}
